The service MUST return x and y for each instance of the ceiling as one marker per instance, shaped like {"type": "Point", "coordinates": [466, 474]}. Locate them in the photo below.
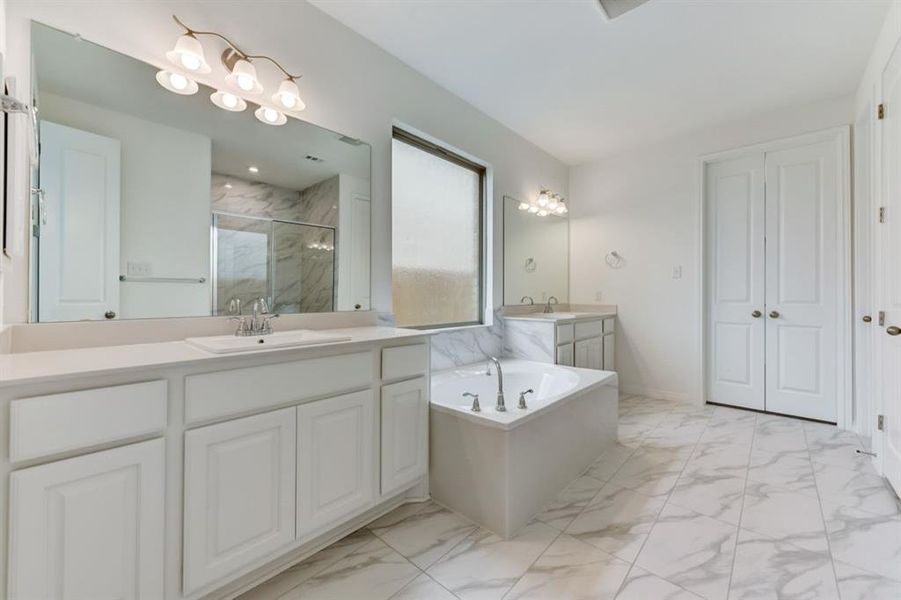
{"type": "Point", "coordinates": [582, 87]}
{"type": "Point", "coordinates": [71, 67]}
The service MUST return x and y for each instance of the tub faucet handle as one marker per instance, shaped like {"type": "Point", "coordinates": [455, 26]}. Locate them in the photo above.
{"type": "Point", "coordinates": [475, 401]}
{"type": "Point", "coordinates": [522, 397]}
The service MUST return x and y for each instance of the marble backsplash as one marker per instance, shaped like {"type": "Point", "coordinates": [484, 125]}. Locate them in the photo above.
{"type": "Point", "coordinates": [467, 345]}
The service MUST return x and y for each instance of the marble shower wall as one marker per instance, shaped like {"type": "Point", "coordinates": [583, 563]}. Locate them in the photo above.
{"type": "Point", "coordinates": [304, 256]}
{"type": "Point", "coordinates": [468, 344]}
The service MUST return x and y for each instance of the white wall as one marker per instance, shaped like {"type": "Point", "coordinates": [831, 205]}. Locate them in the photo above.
{"type": "Point", "coordinates": [349, 85]}
{"type": "Point", "coordinates": [165, 206]}
{"type": "Point", "coordinates": [646, 205]}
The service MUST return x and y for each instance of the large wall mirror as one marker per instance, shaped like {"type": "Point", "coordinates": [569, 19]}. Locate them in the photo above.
{"type": "Point", "coordinates": [536, 255]}
{"type": "Point", "coordinates": [162, 205]}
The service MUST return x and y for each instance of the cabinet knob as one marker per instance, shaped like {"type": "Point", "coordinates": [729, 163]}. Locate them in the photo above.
{"type": "Point", "coordinates": [110, 314]}
{"type": "Point", "coordinates": [893, 330]}
{"type": "Point", "coordinates": [867, 319]}
{"type": "Point", "coordinates": [774, 314]}
{"type": "Point", "coordinates": [756, 314]}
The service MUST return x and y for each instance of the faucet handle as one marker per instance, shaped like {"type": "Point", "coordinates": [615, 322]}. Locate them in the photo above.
{"type": "Point", "coordinates": [475, 401]}
{"type": "Point", "coordinates": [242, 324]}
{"type": "Point", "coordinates": [522, 398]}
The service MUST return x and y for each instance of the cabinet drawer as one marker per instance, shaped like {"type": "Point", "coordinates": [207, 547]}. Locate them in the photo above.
{"type": "Point", "coordinates": [45, 425]}
{"type": "Point", "coordinates": [587, 329]}
{"type": "Point", "coordinates": [564, 333]}
{"type": "Point", "coordinates": [213, 395]}
{"type": "Point", "coordinates": [405, 361]}
{"type": "Point", "coordinates": [609, 325]}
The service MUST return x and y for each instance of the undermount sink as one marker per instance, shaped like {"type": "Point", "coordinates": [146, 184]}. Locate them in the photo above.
{"type": "Point", "coordinates": [225, 344]}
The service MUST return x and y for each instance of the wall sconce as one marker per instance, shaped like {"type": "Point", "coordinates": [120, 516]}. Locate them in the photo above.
{"type": "Point", "coordinates": [188, 58]}
{"type": "Point", "coordinates": [547, 203]}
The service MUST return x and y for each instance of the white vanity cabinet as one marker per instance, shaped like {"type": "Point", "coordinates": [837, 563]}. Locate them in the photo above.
{"type": "Point", "coordinates": [200, 479]}
{"type": "Point", "coordinates": [239, 494]}
{"type": "Point", "coordinates": [90, 526]}
{"type": "Point", "coordinates": [336, 458]}
{"type": "Point", "coordinates": [585, 341]}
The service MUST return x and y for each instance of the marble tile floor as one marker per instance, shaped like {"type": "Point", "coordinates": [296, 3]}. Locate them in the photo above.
{"type": "Point", "coordinates": [694, 502]}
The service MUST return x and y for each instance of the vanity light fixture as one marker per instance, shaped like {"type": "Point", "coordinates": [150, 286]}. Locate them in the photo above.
{"type": "Point", "coordinates": [547, 203]}
{"type": "Point", "coordinates": [270, 116]}
{"type": "Point", "coordinates": [176, 82]}
{"type": "Point", "coordinates": [228, 101]}
{"type": "Point", "coordinates": [242, 77]}
{"type": "Point", "coordinates": [543, 198]}
{"type": "Point", "coordinates": [523, 206]}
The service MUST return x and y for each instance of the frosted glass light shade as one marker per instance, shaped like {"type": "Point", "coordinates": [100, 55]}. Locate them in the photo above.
{"type": "Point", "coordinates": [244, 78]}
{"type": "Point", "coordinates": [228, 101]}
{"type": "Point", "coordinates": [270, 116]}
{"type": "Point", "coordinates": [288, 96]}
{"type": "Point", "coordinates": [188, 54]}
{"type": "Point", "coordinates": [176, 82]}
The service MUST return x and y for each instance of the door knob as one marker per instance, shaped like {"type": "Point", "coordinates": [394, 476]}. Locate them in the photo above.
{"type": "Point", "coordinates": [867, 319]}
{"type": "Point", "coordinates": [756, 314]}
{"type": "Point", "coordinates": [109, 314]}
{"type": "Point", "coordinates": [774, 314]}
{"type": "Point", "coordinates": [893, 330]}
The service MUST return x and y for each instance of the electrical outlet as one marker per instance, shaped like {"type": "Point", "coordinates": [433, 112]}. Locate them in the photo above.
{"type": "Point", "coordinates": [139, 269]}
{"type": "Point", "coordinates": [598, 296]}
{"type": "Point", "coordinates": [677, 272]}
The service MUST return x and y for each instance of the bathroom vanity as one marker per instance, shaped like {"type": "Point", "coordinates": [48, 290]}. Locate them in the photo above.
{"type": "Point", "coordinates": [163, 471]}
{"type": "Point", "coordinates": [571, 339]}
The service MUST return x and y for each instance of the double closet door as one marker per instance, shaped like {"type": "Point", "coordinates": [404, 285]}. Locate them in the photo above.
{"type": "Point", "coordinates": [774, 274]}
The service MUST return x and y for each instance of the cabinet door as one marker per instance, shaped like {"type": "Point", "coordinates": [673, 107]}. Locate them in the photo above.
{"type": "Point", "coordinates": [581, 352]}
{"type": "Point", "coordinates": [89, 527]}
{"type": "Point", "coordinates": [590, 353]}
{"type": "Point", "coordinates": [405, 439]}
{"type": "Point", "coordinates": [335, 460]}
{"type": "Point", "coordinates": [609, 351]}
{"type": "Point", "coordinates": [239, 495]}
{"type": "Point", "coordinates": [565, 355]}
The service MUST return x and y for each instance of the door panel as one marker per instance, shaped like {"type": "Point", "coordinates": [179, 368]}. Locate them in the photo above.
{"type": "Point", "coordinates": [405, 442]}
{"type": "Point", "coordinates": [335, 460]}
{"type": "Point", "coordinates": [735, 286]}
{"type": "Point", "coordinates": [888, 347]}
{"type": "Point", "coordinates": [89, 527]}
{"type": "Point", "coordinates": [802, 234]}
{"type": "Point", "coordinates": [78, 252]}
{"type": "Point", "coordinates": [239, 495]}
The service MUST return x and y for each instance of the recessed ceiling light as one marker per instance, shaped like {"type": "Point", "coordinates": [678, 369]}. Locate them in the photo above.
{"type": "Point", "coordinates": [253, 169]}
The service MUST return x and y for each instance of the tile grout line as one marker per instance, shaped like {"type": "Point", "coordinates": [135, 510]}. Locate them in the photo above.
{"type": "Point", "coordinates": [816, 487]}
{"type": "Point", "coordinates": [741, 512]}
{"type": "Point", "coordinates": [634, 562]}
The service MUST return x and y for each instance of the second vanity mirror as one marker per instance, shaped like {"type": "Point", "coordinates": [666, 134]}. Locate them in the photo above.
{"type": "Point", "coordinates": [536, 255]}
{"type": "Point", "coordinates": [153, 204]}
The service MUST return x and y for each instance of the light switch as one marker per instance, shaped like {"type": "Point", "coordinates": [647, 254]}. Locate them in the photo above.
{"type": "Point", "coordinates": [598, 296]}
{"type": "Point", "coordinates": [139, 269]}
{"type": "Point", "coordinates": [677, 272]}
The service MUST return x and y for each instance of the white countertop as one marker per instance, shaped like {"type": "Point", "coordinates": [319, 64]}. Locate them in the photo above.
{"type": "Point", "coordinates": [561, 317]}
{"type": "Point", "coordinates": [34, 367]}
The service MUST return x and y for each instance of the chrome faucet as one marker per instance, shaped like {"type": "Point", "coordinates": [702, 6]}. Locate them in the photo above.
{"type": "Point", "coordinates": [475, 401]}
{"type": "Point", "coordinates": [522, 398]}
{"type": "Point", "coordinates": [523, 300]}
{"type": "Point", "coordinates": [548, 308]}
{"type": "Point", "coordinates": [500, 382]}
{"type": "Point", "coordinates": [259, 323]}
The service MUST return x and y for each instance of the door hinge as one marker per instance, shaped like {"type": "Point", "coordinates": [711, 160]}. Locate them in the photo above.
{"type": "Point", "coordinates": [880, 422]}
{"type": "Point", "coordinates": [880, 112]}
{"type": "Point", "coordinates": [882, 214]}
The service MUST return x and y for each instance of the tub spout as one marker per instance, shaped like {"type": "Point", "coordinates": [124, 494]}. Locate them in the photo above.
{"type": "Point", "coordinates": [500, 382]}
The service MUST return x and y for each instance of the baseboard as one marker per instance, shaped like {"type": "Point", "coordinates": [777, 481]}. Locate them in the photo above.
{"type": "Point", "coordinates": [656, 394]}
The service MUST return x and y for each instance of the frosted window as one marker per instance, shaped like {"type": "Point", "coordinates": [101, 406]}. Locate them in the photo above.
{"type": "Point", "coordinates": [437, 238]}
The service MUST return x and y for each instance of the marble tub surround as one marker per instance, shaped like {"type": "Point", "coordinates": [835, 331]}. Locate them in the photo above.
{"type": "Point", "coordinates": [601, 539]}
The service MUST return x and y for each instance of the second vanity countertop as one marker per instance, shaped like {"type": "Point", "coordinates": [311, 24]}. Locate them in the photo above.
{"type": "Point", "coordinates": [49, 365]}
{"type": "Point", "coordinates": [561, 317]}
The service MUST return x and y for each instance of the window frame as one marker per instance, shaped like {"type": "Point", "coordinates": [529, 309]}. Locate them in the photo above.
{"type": "Point", "coordinates": [437, 149]}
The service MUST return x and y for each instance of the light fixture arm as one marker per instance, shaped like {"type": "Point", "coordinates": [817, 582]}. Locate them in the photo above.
{"type": "Point", "coordinates": [233, 46]}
